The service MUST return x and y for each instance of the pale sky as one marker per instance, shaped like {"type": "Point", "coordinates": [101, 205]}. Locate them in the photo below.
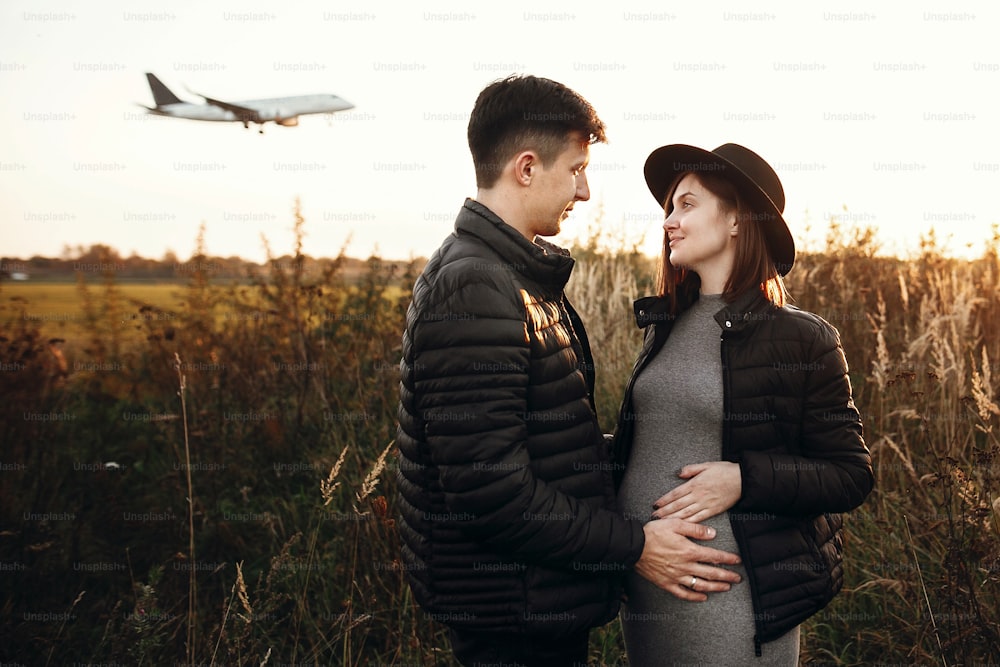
{"type": "Point", "coordinates": [890, 111]}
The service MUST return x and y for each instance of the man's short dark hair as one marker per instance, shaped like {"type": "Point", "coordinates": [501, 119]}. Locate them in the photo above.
{"type": "Point", "coordinates": [526, 113]}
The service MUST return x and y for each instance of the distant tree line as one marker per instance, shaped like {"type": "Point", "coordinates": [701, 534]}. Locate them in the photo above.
{"type": "Point", "coordinates": [102, 259]}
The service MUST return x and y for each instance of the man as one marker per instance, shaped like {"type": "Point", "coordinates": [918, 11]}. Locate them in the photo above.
{"type": "Point", "coordinates": [509, 528]}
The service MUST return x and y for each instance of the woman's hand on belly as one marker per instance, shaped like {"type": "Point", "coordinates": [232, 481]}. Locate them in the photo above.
{"type": "Point", "coordinates": [712, 488]}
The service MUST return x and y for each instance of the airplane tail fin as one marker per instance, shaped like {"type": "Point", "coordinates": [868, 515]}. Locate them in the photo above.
{"type": "Point", "coordinates": [161, 94]}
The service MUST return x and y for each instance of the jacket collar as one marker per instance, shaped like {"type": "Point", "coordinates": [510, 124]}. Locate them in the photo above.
{"type": "Point", "coordinates": [747, 309]}
{"type": "Point", "coordinates": [652, 309]}
{"type": "Point", "coordinates": [541, 261]}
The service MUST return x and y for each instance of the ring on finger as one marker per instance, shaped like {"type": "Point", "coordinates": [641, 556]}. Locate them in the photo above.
{"type": "Point", "coordinates": [694, 581]}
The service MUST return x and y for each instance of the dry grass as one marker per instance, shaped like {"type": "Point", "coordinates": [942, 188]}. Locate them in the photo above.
{"type": "Point", "coordinates": [290, 407]}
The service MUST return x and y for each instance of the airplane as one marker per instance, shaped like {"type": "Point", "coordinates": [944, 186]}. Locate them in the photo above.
{"type": "Point", "coordinates": [281, 110]}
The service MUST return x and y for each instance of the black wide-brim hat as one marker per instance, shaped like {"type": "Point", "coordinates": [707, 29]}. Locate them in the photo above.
{"type": "Point", "coordinates": [752, 176]}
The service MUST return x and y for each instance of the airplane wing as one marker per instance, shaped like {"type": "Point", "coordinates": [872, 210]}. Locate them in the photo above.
{"type": "Point", "coordinates": [244, 113]}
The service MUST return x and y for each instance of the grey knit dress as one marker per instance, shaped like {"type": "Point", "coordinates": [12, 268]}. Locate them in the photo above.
{"type": "Point", "coordinates": [677, 401]}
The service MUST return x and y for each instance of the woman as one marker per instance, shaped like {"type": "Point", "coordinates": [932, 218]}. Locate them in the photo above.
{"type": "Point", "coordinates": [756, 436]}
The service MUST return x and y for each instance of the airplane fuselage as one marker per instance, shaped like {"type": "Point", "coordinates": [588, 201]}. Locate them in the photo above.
{"type": "Point", "coordinates": [276, 109]}
{"type": "Point", "coordinates": [281, 110]}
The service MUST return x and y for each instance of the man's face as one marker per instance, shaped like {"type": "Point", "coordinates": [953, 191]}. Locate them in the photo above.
{"type": "Point", "coordinates": [556, 187]}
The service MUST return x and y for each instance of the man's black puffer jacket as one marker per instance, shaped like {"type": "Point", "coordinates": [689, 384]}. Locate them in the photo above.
{"type": "Point", "coordinates": [790, 422]}
{"type": "Point", "coordinates": [508, 518]}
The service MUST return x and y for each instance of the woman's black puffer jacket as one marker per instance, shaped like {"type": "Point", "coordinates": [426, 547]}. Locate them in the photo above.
{"type": "Point", "coordinates": [790, 422]}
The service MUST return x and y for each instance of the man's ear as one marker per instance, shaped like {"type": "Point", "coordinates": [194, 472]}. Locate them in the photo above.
{"type": "Point", "coordinates": [525, 164]}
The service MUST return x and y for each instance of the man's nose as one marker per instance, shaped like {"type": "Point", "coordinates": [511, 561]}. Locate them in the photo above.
{"type": "Point", "coordinates": [582, 187]}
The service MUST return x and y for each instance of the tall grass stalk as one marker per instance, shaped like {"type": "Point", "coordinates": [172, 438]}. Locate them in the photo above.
{"type": "Point", "coordinates": [192, 576]}
{"type": "Point", "coordinates": [923, 590]}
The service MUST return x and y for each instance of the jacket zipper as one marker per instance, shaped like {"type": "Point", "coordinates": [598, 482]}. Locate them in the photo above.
{"type": "Point", "coordinates": [738, 531]}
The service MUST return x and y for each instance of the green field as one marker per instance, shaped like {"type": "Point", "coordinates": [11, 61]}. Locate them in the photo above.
{"type": "Point", "coordinates": [58, 308]}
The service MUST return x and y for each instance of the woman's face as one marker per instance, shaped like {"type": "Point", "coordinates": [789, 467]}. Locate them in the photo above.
{"type": "Point", "coordinates": [702, 238]}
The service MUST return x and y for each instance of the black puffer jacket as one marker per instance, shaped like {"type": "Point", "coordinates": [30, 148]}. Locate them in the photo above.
{"type": "Point", "coordinates": [506, 494]}
{"type": "Point", "coordinates": [790, 422]}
